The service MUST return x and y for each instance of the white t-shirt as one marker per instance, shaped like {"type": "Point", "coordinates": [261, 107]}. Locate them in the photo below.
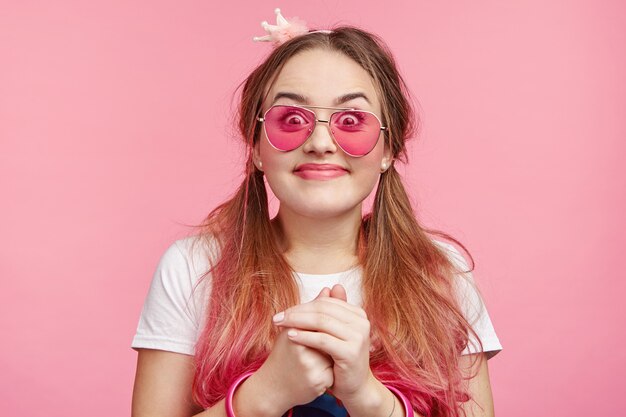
{"type": "Point", "coordinates": [173, 315]}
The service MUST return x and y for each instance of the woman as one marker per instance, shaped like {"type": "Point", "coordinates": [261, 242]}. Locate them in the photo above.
{"type": "Point", "coordinates": [320, 310]}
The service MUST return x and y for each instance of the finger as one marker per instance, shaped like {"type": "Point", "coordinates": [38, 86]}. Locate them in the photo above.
{"type": "Point", "coordinates": [337, 349]}
{"type": "Point", "coordinates": [353, 308]}
{"type": "Point", "coordinates": [324, 293]}
{"type": "Point", "coordinates": [338, 309]}
{"type": "Point", "coordinates": [318, 322]}
{"type": "Point", "coordinates": [339, 292]}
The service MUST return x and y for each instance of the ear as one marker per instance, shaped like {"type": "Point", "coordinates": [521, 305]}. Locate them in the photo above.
{"type": "Point", "coordinates": [256, 156]}
{"type": "Point", "coordinates": [387, 160]}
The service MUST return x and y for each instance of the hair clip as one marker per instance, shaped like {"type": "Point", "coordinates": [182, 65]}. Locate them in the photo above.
{"type": "Point", "coordinates": [283, 31]}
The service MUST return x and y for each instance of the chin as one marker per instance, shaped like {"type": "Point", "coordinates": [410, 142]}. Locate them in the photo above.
{"type": "Point", "coordinates": [325, 212]}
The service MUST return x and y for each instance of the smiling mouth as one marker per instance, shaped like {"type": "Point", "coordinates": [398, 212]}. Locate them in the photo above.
{"type": "Point", "coordinates": [319, 167]}
{"type": "Point", "coordinates": [310, 172]}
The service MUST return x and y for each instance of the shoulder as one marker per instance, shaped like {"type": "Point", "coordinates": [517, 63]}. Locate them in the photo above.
{"type": "Point", "coordinates": [183, 270]}
{"type": "Point", "coordinates": [196, 251]}
{"type": "Point", "coordinates": [186, 260]}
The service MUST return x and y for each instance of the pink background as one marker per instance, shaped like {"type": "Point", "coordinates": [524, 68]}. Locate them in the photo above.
{"type": "Point", "coordinates": [114, 132]}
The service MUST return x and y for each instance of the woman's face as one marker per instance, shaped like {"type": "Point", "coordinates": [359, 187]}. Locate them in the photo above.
{"type": "Point", "coordinates": [322, 77]}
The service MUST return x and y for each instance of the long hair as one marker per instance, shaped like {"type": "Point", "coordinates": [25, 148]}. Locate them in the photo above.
{"type": "Point", "coordinates": [408, 288]}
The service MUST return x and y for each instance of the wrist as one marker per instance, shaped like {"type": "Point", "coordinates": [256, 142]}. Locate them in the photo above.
{"type": "Point", "coordinates": [372, 400]}
{"type": "Point", "coordinates": [404, 401]}
{"type": "Point", "coordinates": [256, 396]}
{"type": "Point", "coordinates": [377, 399]}
{"type": "Point", "coordinates": [251, 398]}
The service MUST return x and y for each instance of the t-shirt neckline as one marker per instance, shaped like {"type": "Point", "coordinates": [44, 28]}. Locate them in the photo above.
{"type": "Point", "coordinates": [332, 275]}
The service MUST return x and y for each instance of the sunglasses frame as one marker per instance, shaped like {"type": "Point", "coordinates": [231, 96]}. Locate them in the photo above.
{"type": "Point", "coordinates": [307, 107]}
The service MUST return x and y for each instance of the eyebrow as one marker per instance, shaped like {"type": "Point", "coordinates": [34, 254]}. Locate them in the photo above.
{"type": "Point", "coordinates": [304, 100]}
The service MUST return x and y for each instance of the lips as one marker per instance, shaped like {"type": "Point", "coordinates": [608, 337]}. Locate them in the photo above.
{"type": "Point", "coordinates": [320, 171]}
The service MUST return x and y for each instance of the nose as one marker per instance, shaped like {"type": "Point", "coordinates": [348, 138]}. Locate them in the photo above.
{"type": "Point", "coordinates": [321, 140]}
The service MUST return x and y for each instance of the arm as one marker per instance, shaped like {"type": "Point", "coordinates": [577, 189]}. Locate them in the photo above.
{"type": "Point", "coordinates": [481, 404]}
{"type": "Point", "coordinates": [163, 385]}
{"type": "Point", "coordinates": [163, 389]}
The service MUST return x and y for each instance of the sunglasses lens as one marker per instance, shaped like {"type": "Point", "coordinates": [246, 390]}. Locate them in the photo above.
{"type": "Point", "coordinates": [356, 131]}
{"type": "Point", "coordinates": [288, 127]}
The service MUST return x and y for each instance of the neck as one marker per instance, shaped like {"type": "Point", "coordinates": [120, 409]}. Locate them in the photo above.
{"type": "Point", "coordinates": [319, 246]}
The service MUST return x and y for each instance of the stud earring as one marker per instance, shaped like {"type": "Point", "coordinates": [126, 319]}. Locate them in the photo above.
{"type": "Point", "coordinates": [384, 167]}
{"type": "Point", "coordinates": [260, 165]}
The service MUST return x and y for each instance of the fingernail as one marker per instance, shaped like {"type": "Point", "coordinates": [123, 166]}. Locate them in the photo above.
{"type": "Point", "coordinates": [278, 317]}
{"type": "Point", "coordinates": [292, 333]}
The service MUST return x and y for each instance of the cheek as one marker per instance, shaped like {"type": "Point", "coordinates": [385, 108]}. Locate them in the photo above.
{"type": "Point", "coordinates": [367, 170]}
{"type": "Point", "coordinates": [369, 166]}
{"type": "Point", "coordinates": [277, 167]}
{"type": "Point", "coordinates": [273, 159]}
{"type": "Point", "coordinates": [369, 176]}
{"type": "Point", "coordinates": [373, 160]}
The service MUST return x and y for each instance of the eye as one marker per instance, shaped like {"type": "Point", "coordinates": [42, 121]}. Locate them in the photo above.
{"type": "Point", "coordinates": [294, 119]}
{"type": "Point", "coordinates": [288, 119]}
{"type": "Point", "coordinates": [350, 120]}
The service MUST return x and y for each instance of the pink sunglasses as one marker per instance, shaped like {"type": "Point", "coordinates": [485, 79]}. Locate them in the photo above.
{"type": "Point", "coordinates": [287, 127]}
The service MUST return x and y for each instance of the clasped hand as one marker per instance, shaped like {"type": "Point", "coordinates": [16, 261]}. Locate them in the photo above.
{"type": "Point", "coordinates": [337, 330]}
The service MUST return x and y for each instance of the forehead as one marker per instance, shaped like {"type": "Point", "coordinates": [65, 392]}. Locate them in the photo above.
{"type": "Point", "coordinates": [321, 77]}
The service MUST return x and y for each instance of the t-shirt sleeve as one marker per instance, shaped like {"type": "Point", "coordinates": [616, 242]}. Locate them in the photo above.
{"type": "Point", "coordinates": [171, 314]}
{"type": "Point", "coordinates": [473, 306]}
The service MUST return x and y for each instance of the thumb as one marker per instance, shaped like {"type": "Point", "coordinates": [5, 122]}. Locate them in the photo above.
{"type": "Point", "coordinates": [324, 293]}
{"type": "Point", "coordinates": [338, 291]}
